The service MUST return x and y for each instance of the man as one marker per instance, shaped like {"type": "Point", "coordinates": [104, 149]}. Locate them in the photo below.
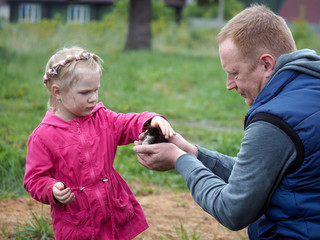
{"type": "Point", "coordinates": [273, 185]}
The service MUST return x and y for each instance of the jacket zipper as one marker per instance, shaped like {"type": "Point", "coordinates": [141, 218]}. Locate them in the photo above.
{"type": "Point", "coordinates": [92, 174]}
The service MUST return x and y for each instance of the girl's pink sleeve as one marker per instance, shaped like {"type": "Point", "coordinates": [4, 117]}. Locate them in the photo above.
{"type": "Point", "coordinates": [129, 126]}
{"type": "Point", "coordinates": [37, 180]}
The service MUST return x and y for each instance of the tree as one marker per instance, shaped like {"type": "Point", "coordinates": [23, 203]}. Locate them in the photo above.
{"type": "Point", "coordinates": [139, 33]}
{"type": "Point", "coordinates": [221, 11]}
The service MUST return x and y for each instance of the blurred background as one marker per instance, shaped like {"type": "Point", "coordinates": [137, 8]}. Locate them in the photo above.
{"type": "Point", "coordinates": [159, 56]}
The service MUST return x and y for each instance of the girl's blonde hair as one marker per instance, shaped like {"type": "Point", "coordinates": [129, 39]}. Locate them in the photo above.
{"type": "Point", "coordinates": [61, 69]}
{"type": "Point", "coordinates": [257, 30]}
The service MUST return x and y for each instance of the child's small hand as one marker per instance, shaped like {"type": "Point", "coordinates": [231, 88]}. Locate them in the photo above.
{"type": "Point", "coordinates": [164, 125]}
{"type": "Point", "coordinates": [62, 194]}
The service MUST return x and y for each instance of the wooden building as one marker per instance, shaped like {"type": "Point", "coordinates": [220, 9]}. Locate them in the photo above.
{"type": "Point", "coordinates": [71, 11]}
{"type": "Point", "coordinates": [308, 10]}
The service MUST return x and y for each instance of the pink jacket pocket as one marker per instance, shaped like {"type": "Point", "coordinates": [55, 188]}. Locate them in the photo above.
{"type": "Point", "coordinates": [122, 208]}
{"type": "Point", "coordinates": [72, 221]}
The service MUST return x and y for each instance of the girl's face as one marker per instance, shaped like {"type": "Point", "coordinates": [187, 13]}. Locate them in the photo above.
{"type": "Point", "coordinates": [80, 99]}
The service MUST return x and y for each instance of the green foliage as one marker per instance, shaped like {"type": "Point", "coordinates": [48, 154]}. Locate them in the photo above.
{"type": "Point", "coordinates": [161, 16]}
{"type": "Point", "coordinates": [183, 234]}
{"type": "Point", "coordinates": [195, 10]}
{"type": "Point", "coordinates": [209, 9]}
{"type": "Point", "coordinates": [161, 11]}
{"type": "Point", "coordinates": [231, 8]}
{"type": "Point", "coordinates": [181, 79]}
{"type": "Point", "coordinates": [39, 227]}
{"type": "Point", "coordinates": [305, 36]}
{"type": "Point", "coordinates": [185, 40]}
{"type": "Point", "coordinates": [200, 11]}
{"type": "Point", "coordinates": [121, 8]}
{"type": "Point", "coordinates": [118, 15]}
{"type": "Point", "coordinates": [12, 165]}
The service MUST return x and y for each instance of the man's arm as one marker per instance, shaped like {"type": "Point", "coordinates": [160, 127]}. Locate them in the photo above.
{"type": "Point", "coordinates": [221, 165]}
{"type": "Point", "coordinates": [238, 198]}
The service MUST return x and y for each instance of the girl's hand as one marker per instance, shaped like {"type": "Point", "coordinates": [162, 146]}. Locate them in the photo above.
{"type": "Point", "coordinates": [164, 125]}
{"type": "Point", "coordinates": [61, 194]}
{"type": "Point", "coordinates": [177, 140]}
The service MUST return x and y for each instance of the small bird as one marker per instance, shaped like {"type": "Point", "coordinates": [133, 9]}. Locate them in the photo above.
{"type": "Point", "coordinates": [153, 135]}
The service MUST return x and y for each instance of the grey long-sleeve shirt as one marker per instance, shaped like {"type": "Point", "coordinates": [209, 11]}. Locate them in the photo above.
{"type": "Point", "coordinates": [236, 190]}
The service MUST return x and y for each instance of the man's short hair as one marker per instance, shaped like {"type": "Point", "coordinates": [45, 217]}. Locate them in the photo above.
{"type": "Point", "coordinates": [257, 30]}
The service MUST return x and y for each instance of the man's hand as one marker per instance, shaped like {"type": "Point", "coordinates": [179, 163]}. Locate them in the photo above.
{"type": "Point", "coordinates": [61, 194]}
{"type": "Point", "coordinates": [159, 157]}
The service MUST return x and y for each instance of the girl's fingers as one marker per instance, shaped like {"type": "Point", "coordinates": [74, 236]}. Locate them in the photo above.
{"type": "Point", "coordinates": [67, 198]}
{"type": "Point", "coordinates": [169, 132]}
{"type": "Point", "coordinates": [164, 125]}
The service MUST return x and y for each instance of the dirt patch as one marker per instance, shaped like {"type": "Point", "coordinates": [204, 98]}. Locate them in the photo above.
{"type": "Point", "coordinates": [164, 211]}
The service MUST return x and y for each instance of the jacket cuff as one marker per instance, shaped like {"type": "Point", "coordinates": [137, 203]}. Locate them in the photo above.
{"type": "Point", "coordinates": [50, 184]}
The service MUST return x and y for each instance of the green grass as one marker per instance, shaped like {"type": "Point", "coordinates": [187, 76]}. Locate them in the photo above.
{"type": "Point", "coordinates": [183, 234]}
{"type": "Point", "coordinates": [39, 227]}
{"type": "Point", "coordinates": [186, 86]}
{"type": "Point", "coordinates": [180, 77]}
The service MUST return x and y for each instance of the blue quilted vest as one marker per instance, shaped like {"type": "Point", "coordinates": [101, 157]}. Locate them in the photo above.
{"type": "Point", "coordinates": [291, 101]}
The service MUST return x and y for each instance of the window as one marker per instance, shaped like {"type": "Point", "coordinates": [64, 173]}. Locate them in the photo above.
{"type": "Point", "coordinates": [78, 14]}
{"type": "Point", "coordinates": [4, 12]}
{"type": "Point", "coordinates": [29, 12]}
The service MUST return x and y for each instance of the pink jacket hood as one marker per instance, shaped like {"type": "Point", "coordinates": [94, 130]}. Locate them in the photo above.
{"type": "Point", "coordinates": [53, 120]}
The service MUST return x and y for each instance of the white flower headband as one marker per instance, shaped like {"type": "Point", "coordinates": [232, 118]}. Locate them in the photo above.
{"type": "Point", "coordinates": [84, 55]}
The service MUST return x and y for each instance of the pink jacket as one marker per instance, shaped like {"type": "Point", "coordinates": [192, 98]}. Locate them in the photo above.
{"type": "Point", "coordinates": [80, 153]}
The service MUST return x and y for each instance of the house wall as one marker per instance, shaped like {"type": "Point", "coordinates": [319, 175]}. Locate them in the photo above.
{"type": "Point", "coordinates": [50, 9]}
{"type": "Point", "coordinates": [98, 11]}
{"type": "Point", "coordinates": [4, 12]}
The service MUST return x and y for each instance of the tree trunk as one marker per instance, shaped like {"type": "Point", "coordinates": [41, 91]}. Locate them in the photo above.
{"type": "Point", "coordinates": [221, 11]}
{"type": "Point", "coordinates": [139, 33]}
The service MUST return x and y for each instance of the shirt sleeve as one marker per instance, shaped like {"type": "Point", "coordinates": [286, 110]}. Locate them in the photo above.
{"type": "Point", "coordinates": [235, 190]}
{"type": "Point", "coordinates": [38, 181]}
{"type": "Point", "coordinates": [127, 127]}
{"type": "Point", "coordinates": [221, 165]}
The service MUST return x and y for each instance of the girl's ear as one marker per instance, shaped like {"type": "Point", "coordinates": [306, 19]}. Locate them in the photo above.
{"type": "Point", "coordinates": [56, 91]}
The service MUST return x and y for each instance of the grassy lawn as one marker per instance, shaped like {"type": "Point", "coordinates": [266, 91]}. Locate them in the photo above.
{"type": "Point", "coordinates": [181, 78]}
{"type": "Point", "coordinates": [185, 85]}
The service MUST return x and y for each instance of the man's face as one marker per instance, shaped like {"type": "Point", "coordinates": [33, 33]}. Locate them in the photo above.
{"type": "Point", "coordinates": [241, 76]}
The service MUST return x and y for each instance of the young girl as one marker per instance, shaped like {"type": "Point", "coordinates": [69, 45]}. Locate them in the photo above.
{"type": "Point", "coordinates": [70, 155]}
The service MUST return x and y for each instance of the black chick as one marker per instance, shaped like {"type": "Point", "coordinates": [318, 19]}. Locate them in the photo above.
{"type": "Point", "coordinates": [153, 135]}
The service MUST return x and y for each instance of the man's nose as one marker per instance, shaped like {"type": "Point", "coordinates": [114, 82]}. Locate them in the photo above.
{"type": "Point", "coordinates": [230, 83]}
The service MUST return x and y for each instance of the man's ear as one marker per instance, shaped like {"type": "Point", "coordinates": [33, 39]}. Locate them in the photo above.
{"type": "Point", "coordinates": [268, 63]}
{"type": "Point", "coordinates": [56, 91]}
